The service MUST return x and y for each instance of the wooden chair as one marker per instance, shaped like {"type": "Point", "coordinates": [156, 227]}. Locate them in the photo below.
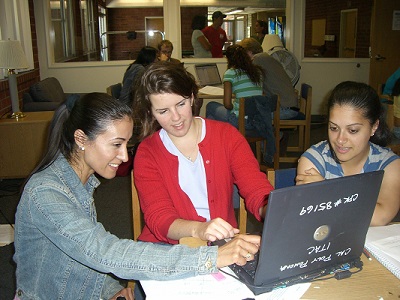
{"type": "Point", "coordinates": [303, 126]}
{"type": "Point", "coordinates": [282, 178]}
{"type": "Point", "coordinates": [251, 136]}
{"type": "Point", "coordinates": [391, 122]}
{"type": "Point", "coordinates": [136, 210]}
{"type": "Point", "coordinates": [114, 90]}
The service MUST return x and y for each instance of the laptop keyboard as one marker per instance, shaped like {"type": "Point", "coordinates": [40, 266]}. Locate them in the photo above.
{"type": "Point", "coordinates": [251, 266]}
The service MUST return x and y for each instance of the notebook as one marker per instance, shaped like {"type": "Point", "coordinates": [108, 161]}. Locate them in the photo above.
{"type": "Point", "coordinates": [313, 230]}
{"type": "Point", "coordinates": [208, 75]}
{"type": "Point", "coordinates": [384, 244]}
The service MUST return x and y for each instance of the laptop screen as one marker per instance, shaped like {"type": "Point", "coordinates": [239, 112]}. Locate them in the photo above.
{"type": "Point", "coordinates": [208, 74]}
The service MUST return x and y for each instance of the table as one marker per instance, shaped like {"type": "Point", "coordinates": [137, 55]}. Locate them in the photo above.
{"type": "Point", "coordinates": [373, 282]}
{"type": "Point", "coordinates": [23, 142]}
{"type": "Point", "coordinates": [200, 107]}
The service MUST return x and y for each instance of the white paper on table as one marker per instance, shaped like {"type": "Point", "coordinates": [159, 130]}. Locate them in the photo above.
{"type": "Point", "coordinates": [6, 234]}
{"type": "Point", "coordinates": [212, 90]}
{"type": "Point", "coordinates": [207, 287]}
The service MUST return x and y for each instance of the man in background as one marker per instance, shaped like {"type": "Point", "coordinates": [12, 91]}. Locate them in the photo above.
{"type": "Point", "coordinates": [215, 34]}
{"type": "Point", "coordinates": [276, 80]}
{"type": "Point", "coordinates": [165, 49]}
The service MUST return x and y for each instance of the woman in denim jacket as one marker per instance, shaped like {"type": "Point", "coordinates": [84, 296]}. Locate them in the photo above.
{"type": "Point", "coordinates": [61, 251]}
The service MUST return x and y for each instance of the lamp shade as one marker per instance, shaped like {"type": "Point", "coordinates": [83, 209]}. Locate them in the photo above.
{"type": "Point", "coordinates": [271, 41]}
{"type": "Point", "coordinates": [12, 55]}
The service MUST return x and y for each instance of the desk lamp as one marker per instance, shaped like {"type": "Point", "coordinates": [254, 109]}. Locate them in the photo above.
{"type": "Point", "coordinates": [12, 57]}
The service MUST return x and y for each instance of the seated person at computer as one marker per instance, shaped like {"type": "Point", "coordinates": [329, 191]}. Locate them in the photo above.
{"type": "Point", "coordinates": [146, 56]}
{"type": "Point", "coordinates": [185, 166]}
{"type": "Point", "coordinates": [243, 79]}
{"type": "Point", "coordinates": [61, 250]}
{"type": "Point", "coordinates": [357, 135]}
{"type": "Point", "coordinates": [165, 49]}
{"type": "Point", "coordinates": [275, 81]}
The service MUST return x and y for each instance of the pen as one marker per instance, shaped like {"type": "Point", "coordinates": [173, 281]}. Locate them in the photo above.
{"type": "Point", "coordinates": [367, 254]}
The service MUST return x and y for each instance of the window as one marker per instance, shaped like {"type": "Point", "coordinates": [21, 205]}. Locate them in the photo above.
{"type": "Point", "coordinates": [15, 25]}
{"type": "Point", "coordinates": [73, 30]}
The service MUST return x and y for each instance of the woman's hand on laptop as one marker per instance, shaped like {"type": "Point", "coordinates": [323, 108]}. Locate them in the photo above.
{"type": "Point", "coordinates": [216, 229]}
{"type": "Point", "coordinates": [239, 250]}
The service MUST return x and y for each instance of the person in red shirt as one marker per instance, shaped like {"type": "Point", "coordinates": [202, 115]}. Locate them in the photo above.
{"type": "Point", "coordinates": [185, 167]}
{"type": "Point", "coordinates": [215, 34]}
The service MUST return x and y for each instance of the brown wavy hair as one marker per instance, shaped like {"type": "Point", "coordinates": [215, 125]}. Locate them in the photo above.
{"type": "Point", "coordinates": [239, 59]}
{"type": "Point", "coordinates": [160, 78]}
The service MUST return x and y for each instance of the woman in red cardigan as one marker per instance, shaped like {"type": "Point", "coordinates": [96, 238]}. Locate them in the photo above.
{"type": "Point", "coordinates": [185, 167]}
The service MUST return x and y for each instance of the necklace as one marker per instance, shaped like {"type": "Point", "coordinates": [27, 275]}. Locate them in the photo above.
{"type": "Point", "coordinates": [189, 157]}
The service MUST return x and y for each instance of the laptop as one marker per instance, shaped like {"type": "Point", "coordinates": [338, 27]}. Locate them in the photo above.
{"type": "Point", "coordinates": [208, 75]}
{"type": "Point", "coordinates": [311, 231]}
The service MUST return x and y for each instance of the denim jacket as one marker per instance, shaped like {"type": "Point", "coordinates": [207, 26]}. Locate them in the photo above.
{"type": "Point", "coordinates": [62, 252]}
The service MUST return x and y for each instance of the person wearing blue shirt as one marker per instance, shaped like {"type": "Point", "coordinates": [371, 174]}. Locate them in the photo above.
{"type": "Point", "coordinates": [357, 136]}
{"type": "Point", "coordinates": [390, 83]}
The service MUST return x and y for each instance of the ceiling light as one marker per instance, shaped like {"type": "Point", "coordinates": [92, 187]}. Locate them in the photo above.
{"type": "Point", "coordinates": [235, 11]}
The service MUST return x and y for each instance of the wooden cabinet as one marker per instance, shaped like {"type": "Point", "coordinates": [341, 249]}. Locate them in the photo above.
{"type": "Point", "coordinates": [22, 143]}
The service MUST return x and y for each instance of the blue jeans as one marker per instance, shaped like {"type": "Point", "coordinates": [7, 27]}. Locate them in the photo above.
{"type": "Point", "coordinates": [258, 112]}
{"type": "Point", "coordinates": [289, 114]}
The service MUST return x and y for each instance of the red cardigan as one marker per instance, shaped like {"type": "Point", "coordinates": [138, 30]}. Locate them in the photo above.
{"type": "Point", "coordinates": [227, 158]}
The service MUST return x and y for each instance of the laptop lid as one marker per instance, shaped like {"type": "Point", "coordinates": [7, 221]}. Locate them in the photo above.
{"type": "Point", "coordinates": [208, 74]}
{"type": "Point", "coordinates": [314, 226]}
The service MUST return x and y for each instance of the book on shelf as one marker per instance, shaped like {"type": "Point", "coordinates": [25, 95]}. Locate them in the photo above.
{"type": "Point", "coordinates": [383, 242]}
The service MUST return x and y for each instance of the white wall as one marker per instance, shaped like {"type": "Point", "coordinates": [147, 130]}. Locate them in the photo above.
{"type": "Point", "coordinates": [321, 74]}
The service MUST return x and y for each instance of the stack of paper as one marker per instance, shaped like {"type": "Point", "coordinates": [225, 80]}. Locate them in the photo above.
{"type": "Point", "coordinates": [383, 242]}
{"type": "Point", "coordinates": [212, 90]}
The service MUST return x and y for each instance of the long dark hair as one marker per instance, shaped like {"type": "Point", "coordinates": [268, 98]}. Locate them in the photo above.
{"type": "Point", "coordinates": [264, 26]}
{"type": "Point", "coordinates": [160, 78]}
{"type": "Point", "coordinates": [199, 22]}
{"type": "Point", "coordinates": [146, 56]}
{"type": "Point", "coordinates": [239, 60]}
{"type": "Point", "coordinates": [92, 113]}
{"type": "Point", "coordinates": [363, 98]}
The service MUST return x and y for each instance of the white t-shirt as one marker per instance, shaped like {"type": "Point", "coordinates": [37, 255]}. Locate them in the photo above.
{"type": "Point", "coordinates": [191, 175]}
{"type": "Point", "coordinates": [199, 51]}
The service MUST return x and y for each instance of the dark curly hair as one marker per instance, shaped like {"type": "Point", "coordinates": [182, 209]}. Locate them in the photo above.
{"type": "Point", "coordinates": [239, 59]}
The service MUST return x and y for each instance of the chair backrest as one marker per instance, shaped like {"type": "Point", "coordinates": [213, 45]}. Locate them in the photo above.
{"type": "Point", "coordinates": [114, 90]}
{"type": "Point", "coordinates": [282, 178]}
{"type": "Point", "coordinates": [304, 125]}
{"type": "Point", "coordinates": [242, 217]}
{"type": "Point", "coordinates": [275, 99]}
{"type": "Point", "coordinates": [306, 100]}
{"type": "Point", "coordinates": [137, 213]}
